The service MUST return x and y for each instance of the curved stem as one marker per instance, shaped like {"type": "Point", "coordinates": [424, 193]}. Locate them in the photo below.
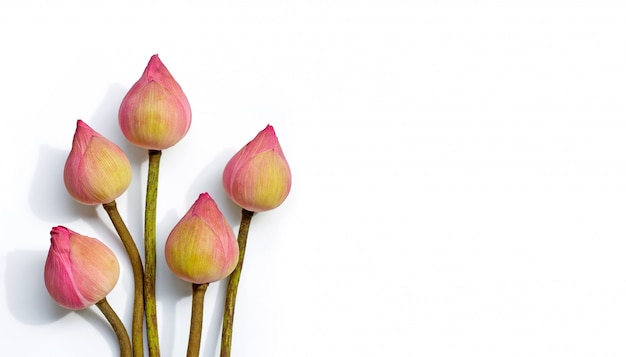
{"type": "Point", "coordinates": [197, 313]}
{"type": "Point", "coordinates": [154, 158]}
{"type": "Point", "coordinates": [137, 266]}
{"type": "Point", "coordinates": [118, 327]}
{"type": "Point", "coordinates": [233, 284]}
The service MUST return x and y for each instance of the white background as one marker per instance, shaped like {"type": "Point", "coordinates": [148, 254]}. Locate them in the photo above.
{"type": "Point", "coordinates": [459, 171]}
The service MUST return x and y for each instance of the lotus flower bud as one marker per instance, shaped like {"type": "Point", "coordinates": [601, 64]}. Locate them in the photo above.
{"type": "Point", "coordinates": [202, 247]}
{"type": "Point", "coordinates": [79, 271]}
{"type": "Point", "coordinates": [258, 177]}
{"type": "Point", "coordinates": [155, 113]}
{"type": "Point", "coordinates": [96, 171]}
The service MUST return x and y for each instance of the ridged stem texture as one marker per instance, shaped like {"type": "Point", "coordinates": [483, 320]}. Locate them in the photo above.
{"type": "Point", "coordinates": [197, 314]}
{"type": "Point", "coordinates": [137, 266]}
{"type": "Point", "coordinates": [118, 327]}
{"type": "Point", "coordinates": [154, 159]}
{"type": "Point", "coordinates": [233, 284]}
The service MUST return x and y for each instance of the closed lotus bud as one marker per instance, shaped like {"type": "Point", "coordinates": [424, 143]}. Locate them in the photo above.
{"type": "Point", "coordinates": [202, 247]}
{"type": "Point", "coordinates": [96, 171]}
{"type": "Point", "coordinates": [155, 113]}
{"type": "Point", "coordinates": [79, 271]}
{"type": "Point", "coordinates": [258, 177]}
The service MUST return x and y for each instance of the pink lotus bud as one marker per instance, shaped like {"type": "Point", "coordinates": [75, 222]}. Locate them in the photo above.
{"type": "Point", "coordinates": [79, 271]}
{"type": "Point", "coordinates": [258, 177]}
{"type": "Point", "coordinates": [155, 113]}
{"type": "Point", "coordinates": [96, 171]}
{"type": "Point", "coordinates": [202, 247]}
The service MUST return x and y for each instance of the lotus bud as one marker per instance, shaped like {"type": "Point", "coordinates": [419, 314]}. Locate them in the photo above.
{"type": "Point", "coordinates": [258, 177]}
{"type": "Point", "coordinates": [96, 171]}
{"type": "Point", "coordinates": [155, 113]}
{"type": "Point", "coordinates": [202, 247]}
{"type": "Point", "coordinates": [79, 271]}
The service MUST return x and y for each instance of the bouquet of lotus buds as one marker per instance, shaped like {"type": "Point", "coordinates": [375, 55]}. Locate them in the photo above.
{"type": "Point", "coordinates": [81, 271]}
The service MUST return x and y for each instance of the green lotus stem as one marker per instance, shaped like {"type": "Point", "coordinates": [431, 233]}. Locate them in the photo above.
{"type": "Point", "coordinates": [197, 314]}
{"type": "Point", "coordinates": [137, 266]}
{"type": "Point", "coordinates": [154, 158]}
{"type": "Point", "coordinates": [118, 327]}
{"type": "Point", "coordinates": [233, 284]}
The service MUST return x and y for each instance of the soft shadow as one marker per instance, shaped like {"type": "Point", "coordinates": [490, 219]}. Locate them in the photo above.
{"type": "Point", "coordinates": [210, 180]}
{"type": "Point", "coordinates": [169, 288]}
{"type": "Point", "coordinates": [93, 316]}
{"type": "Point", "coordinates": [104, 120]}
{"type": "Point", "coordinates": [27, 297]}
{"type": "Point", "coordinates": [214, 326]}
{"type": "Point", "coordinates": [29, 301]}
{"type": "Point", "coordinates": [48, 198]}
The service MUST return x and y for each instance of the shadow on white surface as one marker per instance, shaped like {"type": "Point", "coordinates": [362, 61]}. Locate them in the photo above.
{"type": "Point", "coordinates": [210, 180]}
{"type": "Point", "coordinates": [213, 328]}
{"type": "Point", "coordinates": [27, 298]}
{"type": "Point", "coordinates": [104, 120]}
{"type": "Point", "coordinates": [49, 199]}
{"type": "Point", "coordinates": [169, 292]}
{"type": "Point", "coordinates": [94, 317]}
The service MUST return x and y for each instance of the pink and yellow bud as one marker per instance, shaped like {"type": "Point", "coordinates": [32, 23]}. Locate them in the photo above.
{"type": "Point", "coordinates": [202, 247]}
{"type": "Point", "coordinates": [96, 171]}
{"type": "Point", "coordinates": [258, 177]}
{"type": "Point", "coordinates": [79, 270]}
{"type": "Point", "coordinates": [155, 113]}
